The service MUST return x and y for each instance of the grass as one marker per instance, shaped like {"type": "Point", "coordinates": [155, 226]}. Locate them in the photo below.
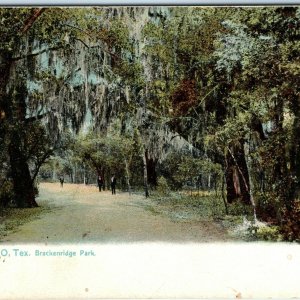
{"type": "Point", "coordinates": [182, 207]}
{"type": "Point", "coordinates": [151, 209]}
{"type": "Point", "coordinates": [12, 218]}
{"type": "Point", "coordinates": [206, 206]}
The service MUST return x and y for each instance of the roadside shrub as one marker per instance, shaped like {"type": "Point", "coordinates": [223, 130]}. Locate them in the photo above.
{"type": "Point", "coordinates": [6, 193]}
{"type": "Point", "coordinates": [269, 233]}
{"type": "Point", "coordinates": [238, 208]}
{"type": "Point", "coordinates": [268, 206]}
{"type": "Point", "coordinates": [290, 227]}
{"type": "Point", "coordinates": [163, 188]}
{"type": "Point", "coordinates": [254, 230]}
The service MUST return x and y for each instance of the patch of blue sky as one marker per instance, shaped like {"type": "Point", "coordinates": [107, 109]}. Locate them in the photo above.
{"type": "Point", "coordinates": [77, 79]}
{"type": "Point", "coordinates": [96, 79]}
{"type": "Point", "coordinates": [44, 61]}
{"type": "Point", "coordinates": [34, 86]}
{"type": "Point", "coordinates": [59, 67]}
{"type": "Point", "coordinates": [40, 110]}
{"type": "Point", "coordinates": [88, 121]}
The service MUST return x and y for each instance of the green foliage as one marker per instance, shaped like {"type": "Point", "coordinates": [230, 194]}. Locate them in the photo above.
{"type": "Point", "coordinates": [12, 218]}
{"type": "Point", "coordinates": [163, 188]}
{"type": "Point", "coordinates": [206, 207]}
{"type": "Point", "coordinates": [6, 192]}
{"type": "Point", "coordinates": [243, 64]}
{"type": "Point", "coordinates": [125, 65]}
{"type": "Point", "coordinates": [131, 73]}
{"type": "Point", "coordinates": [222, 78]}
{"type": "Point", "coordinates": [290, 228]}
{"type": "Point", "coordinates": [55, 26]}
{"type": "Point", "coordinates": [11, 22]}
{"type": "Point", "coordinates": [118, 36]}
{"type": "Point", "coordinates": [105, 155]}
{"type": "Point", "coordinates": [190, 168]}
{"type": "Point", "coordinates": [269, 233]}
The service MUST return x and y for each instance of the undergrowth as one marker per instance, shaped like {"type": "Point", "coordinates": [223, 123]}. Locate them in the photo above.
{"type": "Point", "coordinates": [203, 205]}
{"type": "Point", "coordinates": [12, 218]}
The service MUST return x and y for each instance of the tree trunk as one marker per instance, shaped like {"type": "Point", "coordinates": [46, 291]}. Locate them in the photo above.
{"type": "Point", "coordinates": [84, 175]}
{"type": "Point", "coordinates": [145, 173]}
{"type": "Point", "coordinates": [103, 177]}
{"type": "Point", "coordinates": [71, 177]}
{"type": "Point", "coordinates": [208, 182]}
{"type": "Point", "coordinates": [243, 174]}
{"type": "Point", "coordinates": [232, 193]}
{"type": "Point", "coordinates": [281, 173]}
{"type": "Point", "coordinates": [74, 173]}
{"type": "Point", "coordinates": [13, 104]}
{"type": "Point", "coordinates": [23, 185]}
{"type": "Point", "coordinates": [127, 169]}
{"type": "Point", "coordinates": [295, 152]}
{"type": "Point", "coordinates": [249, 167]}
{"type": "Point", "coordinates": [108, 182]}
{"type": "Point", "coordinates": [223, 196]}
{"type": "Point", "coordinates": [237, 177]}
{"type": "Point", "coordinates": [54, 177]}
{"type": "Point", "coordinates": [151, 170]}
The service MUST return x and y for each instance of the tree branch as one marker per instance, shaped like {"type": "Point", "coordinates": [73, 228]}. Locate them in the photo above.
{"type": "Point", "coordinates": [39, 163]}
{"type": "Point", "coordinates": [91, 36]}
{"type": "Point", "coordinates": [36, 53]}
{"type": "Point", "coordinates": [81, 41]}
{"type": "Point", "coordinates": [239, 169]}
{"type": "Point", "coordinates": [31, 19]}
{"type": "Point", "coordinates": [77, 28]}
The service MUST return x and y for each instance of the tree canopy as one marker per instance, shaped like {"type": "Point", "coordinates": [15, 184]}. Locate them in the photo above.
{"type": "Point", "coordinates": [125, 90]}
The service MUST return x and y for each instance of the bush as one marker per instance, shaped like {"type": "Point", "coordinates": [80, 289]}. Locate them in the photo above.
{"type": "Point", "coordinates": [163, 188]}
{"type": "Point", "coordinates": [268, 233]}
{"type": "Point", "coordinates": [268, 206]}
{"type": "Point", "coordinates": [290, 227]}
{"type": "Point", "coordinates": [6, 193]}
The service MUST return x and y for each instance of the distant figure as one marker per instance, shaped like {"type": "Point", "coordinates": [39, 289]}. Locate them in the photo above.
{"type": "Point", "coordinates": [61, 179]}
{"type": "Point", "coordinates": [113, 183]}
{"type": "Point", "coordinates": [100, 182]}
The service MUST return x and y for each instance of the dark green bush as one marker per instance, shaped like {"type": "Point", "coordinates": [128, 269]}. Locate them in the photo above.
{"type": "Point", "coordinates": [163, 188]}
{"type": "Point", "coordinates": [290, 225]}
{"type": "Point", "coordinates": [6, 193]}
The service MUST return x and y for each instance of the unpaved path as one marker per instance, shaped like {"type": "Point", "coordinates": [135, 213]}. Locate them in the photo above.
{"type": "Point", "coordinates": [82, 214]}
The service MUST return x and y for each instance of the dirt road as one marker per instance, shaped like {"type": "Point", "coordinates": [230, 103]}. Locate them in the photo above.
{"type": "Point", "coordinates": [82, 214]}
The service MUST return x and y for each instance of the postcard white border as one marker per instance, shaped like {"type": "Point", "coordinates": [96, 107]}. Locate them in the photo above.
{"type": "Point", "coordinates": [153, 270]}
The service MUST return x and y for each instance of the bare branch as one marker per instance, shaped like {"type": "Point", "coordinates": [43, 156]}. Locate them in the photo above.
{"type": "Point", "coordinates": [91, 36]}
{"type": "Point", "coordinates": [81, 41]}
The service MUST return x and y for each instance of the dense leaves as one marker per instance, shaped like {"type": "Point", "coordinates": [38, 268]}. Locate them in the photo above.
{"type": "Point", "coordinates": [204, 97]}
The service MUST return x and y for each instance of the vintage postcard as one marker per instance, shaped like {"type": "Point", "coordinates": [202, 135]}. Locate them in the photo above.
{"type": "Point", "coordinates": [149, 151]}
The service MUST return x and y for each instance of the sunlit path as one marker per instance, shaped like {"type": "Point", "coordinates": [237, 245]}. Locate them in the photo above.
{"type": "Point", "coordinates": [83, 214]}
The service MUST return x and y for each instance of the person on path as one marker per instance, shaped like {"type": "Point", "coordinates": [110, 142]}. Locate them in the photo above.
{"type": "Point", "coordinates": [113, 183]}
{"type": "Point", "coordinates": [61, 179]}
{"type": "Point", "coordinates": [100, 182]}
